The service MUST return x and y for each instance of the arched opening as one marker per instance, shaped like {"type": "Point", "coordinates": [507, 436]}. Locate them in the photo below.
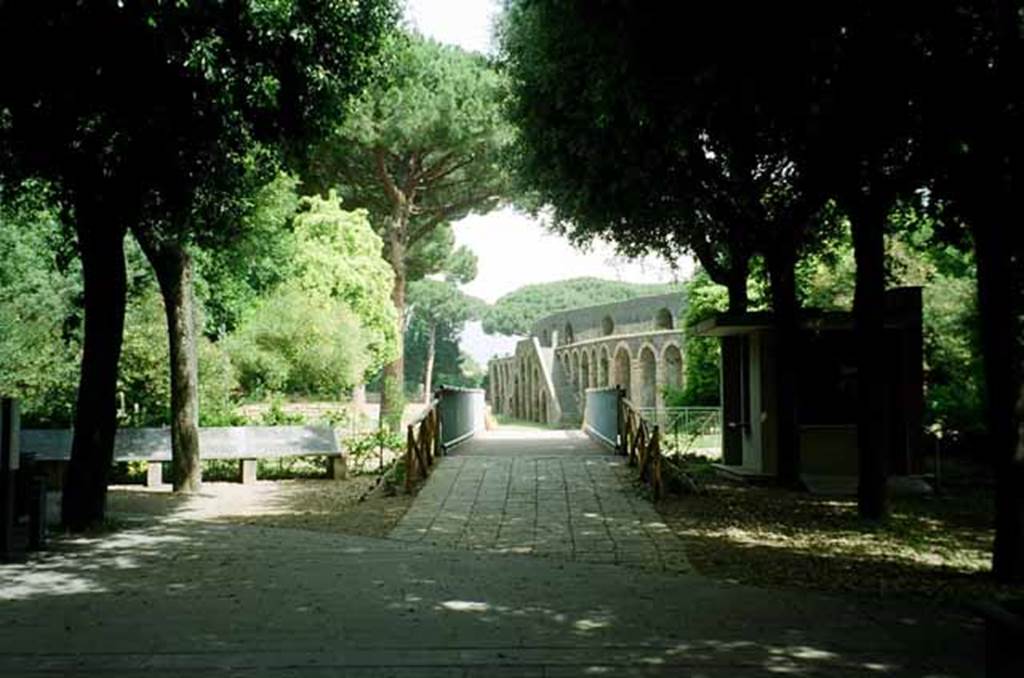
{"type": "Point", "coordinates": [536, 394]}
{"type": "Point", "coordinates": [568, 333]}
{"type": "Point", "coordinates": [648, 378]}
{"type": "Point", "coordinates": [622, 370]}
{"type": "Point", "coordinates": [602, 370]}
{"type": "Point", "coordinates": [584, 374]}
{"type": "Point", "coordinates": [607, 325]}
{"type": "Point", "coordinates": [663, 319]}
{"type": "Point", "coordinates": [673, 366]}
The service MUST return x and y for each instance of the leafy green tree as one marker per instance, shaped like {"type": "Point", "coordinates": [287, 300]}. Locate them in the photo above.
{"type": "Point", "coordinates": [40, 288]}
{"type": "Point", "coordinates": [439, 304]}
{"type": "Point", "coordinates": [300, 343]}
{"type": "Point", "coordinates": [143, 371]}
{"type": "Point", "coordinates": [180, 105]}
{"type": "Point", "coordinates": [418, 151]}
{"type": "Point", "coordinates": [952, 369]}
{"type": "Point", "coordinates": [338, 256]}
{"type": "Point", "coordinates": [971, 120]}
{"type": "Point", "coordinates": [683, 155]}
{"type": "Point", "coordinates": [515, 312]}
{"type": "Point", "coordinates": [230, 281]}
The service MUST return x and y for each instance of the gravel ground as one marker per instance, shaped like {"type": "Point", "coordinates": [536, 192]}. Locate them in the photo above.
{"type": "Point", "coordinates": [322, 505]}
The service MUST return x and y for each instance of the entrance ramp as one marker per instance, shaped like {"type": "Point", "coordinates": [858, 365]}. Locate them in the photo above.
{"type": "Point", "coordinates": [525, 441]}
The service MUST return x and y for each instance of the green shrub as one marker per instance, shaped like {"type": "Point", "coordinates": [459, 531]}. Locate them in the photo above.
{"type": "Point", "coordinates": [144, 373]}
{"type": "Point", "coordinates": [298, 343]}
{"type": "Point", "coordinates": [276, 416]}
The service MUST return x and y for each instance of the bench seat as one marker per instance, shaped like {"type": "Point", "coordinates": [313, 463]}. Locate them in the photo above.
{"type": "Point", "coordinates": [247, 444]}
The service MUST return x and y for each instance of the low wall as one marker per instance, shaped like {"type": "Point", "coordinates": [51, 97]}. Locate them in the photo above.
{"type": "Point", "coordinates": [601, 415]}
{"type": "Point", "coordinates": [462, 413]}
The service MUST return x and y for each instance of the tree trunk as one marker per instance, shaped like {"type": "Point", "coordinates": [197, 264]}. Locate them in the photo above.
{"type": "Point", "coordinates": [428, 377]}
{"type": "Point", "coordinates": [868, 226]}
{"type": "Point", "coordinates": [782, 274]}
{"type": "Point", "coordinates": [101, 247]}
{"type": "Point", "coordinates": [173, 266]}
{"type": "Point", "coordinates": [1000, 348]}
{"type": "Point", "coordinates": [392, 390]}
{"type": "Point", "coordinates": [737, 285]}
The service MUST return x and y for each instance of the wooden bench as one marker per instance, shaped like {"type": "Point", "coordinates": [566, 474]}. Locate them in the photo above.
{"type": "Point", "coordinates": [246, 444]}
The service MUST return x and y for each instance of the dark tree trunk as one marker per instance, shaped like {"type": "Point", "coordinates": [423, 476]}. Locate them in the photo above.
{"type": "Point", "coordinates": [173, 266]}
{"type": "Point", "coordinates": [868, 226]}
{"type": "Point", "coordinates": [737, 284]}
{"type": "Point", "coordinates": [428, 377]}
{"type": "Point", "coordinates": [392, 389]}
{"type": "Point", "coordinates": [782, 274]}
{"type": "Point", "coordinates": [101, 246]}
{"type": "Point", "coordinates": [1000, 346]}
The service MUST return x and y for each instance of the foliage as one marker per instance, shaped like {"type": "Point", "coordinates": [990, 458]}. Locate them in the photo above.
{"type": "Point", "coordinates": [166, 126]}
{"type": "Point", "coordinates": [417, 151]}
{"type": "Point", "coordinates": [515, 312]}
{"type": "Point", "coordinates": [953, 371]}
{"type": "Point", "coordinates": [39, 309]}
{"type": "Point", "coordinates": [231, 280]}
{"type": "Point", "coordinates": [372, 443]}
{"type": "Point", "coordinates": [647, 126]}
{"type": "Point", "coordinates": [299, 343]}
{"type": "Point", "coordinates": [440, 302]}
{"type": "Point", "coordinates": [276, 416]}
{"type": "Point", "coordinates": [701, 386]}
{"type": "Point", "coordinates": [143, 379]}
{"type": "Point", "coordinates": [339, 256]}
{"type": "Point", "coordinates": [435, 128]}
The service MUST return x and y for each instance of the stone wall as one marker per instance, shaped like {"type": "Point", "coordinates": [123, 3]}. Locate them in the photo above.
{"type": "Point", "coordinates": [634, 344]}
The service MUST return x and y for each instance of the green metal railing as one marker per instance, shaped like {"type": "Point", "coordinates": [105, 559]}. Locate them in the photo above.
{"type": "Point", "coordinates": [687, 430]}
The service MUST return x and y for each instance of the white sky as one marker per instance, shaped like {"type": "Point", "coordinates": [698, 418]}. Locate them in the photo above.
{"type": "Point", "coordinates": [513, 249]}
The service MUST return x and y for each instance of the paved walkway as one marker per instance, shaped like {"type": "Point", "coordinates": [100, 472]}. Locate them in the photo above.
{"type": "Point", "coordinates": [173, 597]}
{"type": "Point", "coordinates": [545, 493]}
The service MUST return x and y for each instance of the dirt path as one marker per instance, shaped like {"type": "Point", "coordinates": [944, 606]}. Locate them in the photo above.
{"type": "Point", "coordinates": [321, 505]}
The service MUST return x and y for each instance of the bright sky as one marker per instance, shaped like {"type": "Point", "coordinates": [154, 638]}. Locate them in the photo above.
{"type": "Point", "coordinates": [513, 249]}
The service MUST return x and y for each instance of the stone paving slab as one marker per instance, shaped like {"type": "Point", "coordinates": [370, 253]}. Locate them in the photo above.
{"type": "Point", "coordinates": [193, 598]}
{"type": "Point", "coordinates": [544, 493]}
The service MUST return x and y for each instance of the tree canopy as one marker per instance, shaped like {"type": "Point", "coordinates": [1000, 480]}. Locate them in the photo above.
{"type": "Point", "coordinates": [158, 127]}
{"type": "Point", "coordinates": [418, 150]}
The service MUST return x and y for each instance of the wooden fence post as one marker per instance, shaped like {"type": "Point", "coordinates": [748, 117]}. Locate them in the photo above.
{"type": "Point", "coordinates": [410, 443]}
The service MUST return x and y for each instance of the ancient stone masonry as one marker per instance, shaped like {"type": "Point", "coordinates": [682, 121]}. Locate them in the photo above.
{"type": "Point", "coordinates": [636, 344]}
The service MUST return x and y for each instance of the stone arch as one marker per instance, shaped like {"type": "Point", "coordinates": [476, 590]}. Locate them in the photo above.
{"type": "Point", "coordinates": [672, 366]}
{"type": "Point", "coordinates": [569, 337]}
{"type": "Point", "coordinates": [536, 393]}
{"type": "Point", "coordinates": [603, 376]}
{"type": "Point", "coordinates": [584, 371]}
{"type": "Point", "coordinates": [622, 368]}
{"type": "Point", "coordinates": [663, 319]}
{"type": "Point", "coordinates": [607, 326]}
{"type": "Point", "coordinates": [648, 385]}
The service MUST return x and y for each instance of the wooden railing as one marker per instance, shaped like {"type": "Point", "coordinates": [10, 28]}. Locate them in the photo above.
{"type": "Point", "coordinates": [422, 445]}
{"type": "Point", "coordinates": [641, 443]}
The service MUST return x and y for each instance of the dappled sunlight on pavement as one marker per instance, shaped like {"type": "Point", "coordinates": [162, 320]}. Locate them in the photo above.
{"type": "Point", "coordinates": [191, 597]}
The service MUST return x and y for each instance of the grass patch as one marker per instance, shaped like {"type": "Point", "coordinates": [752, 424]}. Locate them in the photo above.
{"type": "Point", "coordinates": [936, 546]}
